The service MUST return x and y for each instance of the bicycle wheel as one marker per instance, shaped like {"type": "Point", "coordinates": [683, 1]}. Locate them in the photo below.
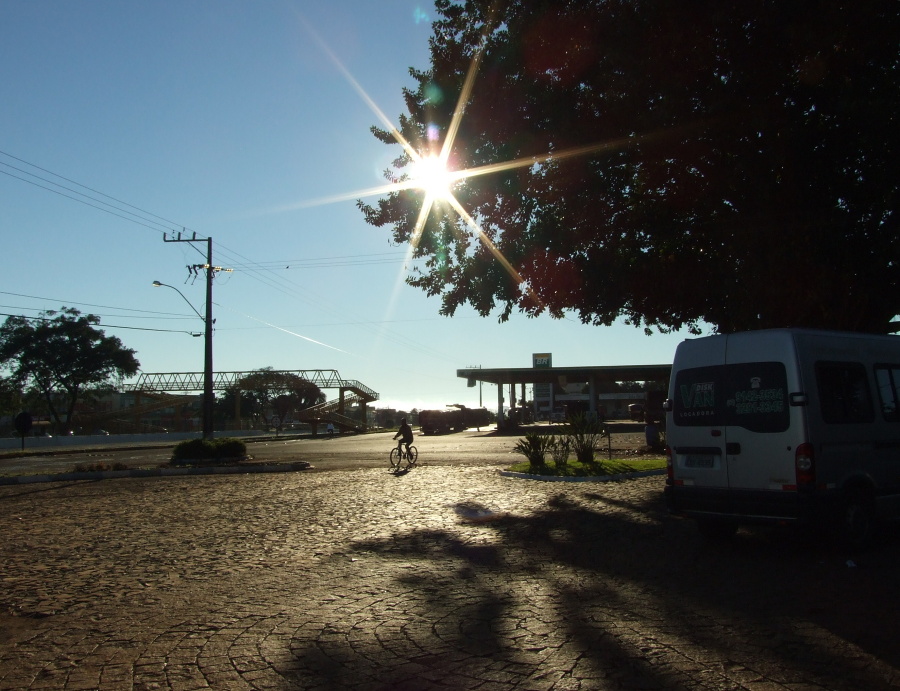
{"type": "Point", "coordinates": [396, 459]}
{"type": "Point", "coordinates": [412, 456]}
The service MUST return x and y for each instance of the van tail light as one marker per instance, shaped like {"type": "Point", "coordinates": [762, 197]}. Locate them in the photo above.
{"type": "Point", "coordinates": [670, 470]}
{"type": "Point", "coordinates": [805, 466]}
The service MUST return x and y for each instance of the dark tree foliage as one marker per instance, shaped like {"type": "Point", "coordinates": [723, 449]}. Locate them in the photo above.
{"type": "Point", "coordinates": [224, 406]}
{"type": "Point", "coordinates": [281, 393]}
{"type": "Point", "coordinates": [10, 397]}
{"type": "Point", "coordinates": [64, 357]}
{"type": "Point", "coordinates": [724, 162]}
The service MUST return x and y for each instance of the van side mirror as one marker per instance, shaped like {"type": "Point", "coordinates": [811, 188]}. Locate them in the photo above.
{"type": "Point", "coordinates": [667, 405]}
{"type": "Point", "coordinates": [799, 398]}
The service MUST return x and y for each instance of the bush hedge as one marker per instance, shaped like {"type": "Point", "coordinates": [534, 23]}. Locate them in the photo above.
{"type": "Point", "coordinates": [209, 450]}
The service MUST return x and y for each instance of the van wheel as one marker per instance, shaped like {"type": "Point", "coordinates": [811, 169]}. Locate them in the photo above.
{"type": "Point", "coordinates": [858, 521]}
{"type": "Point", "coordinates": [717, 528]}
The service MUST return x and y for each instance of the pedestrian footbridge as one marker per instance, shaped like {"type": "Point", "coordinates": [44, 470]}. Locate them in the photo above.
{"type": "Point", "coordinates": [350, 393]}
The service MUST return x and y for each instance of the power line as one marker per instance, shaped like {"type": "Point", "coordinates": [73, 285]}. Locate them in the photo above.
{"type": "Point", "coordinates": [329, 262]}
{"type": "Point", "coordinates": [105, 326]}
{"type": "Point", "coordinates": [180, 317]}
{"type": "Point", "coordinates": [75, 182]}
{"type": "Point", "coordinates": [380, 328]}
{"type": "Point", "coordinates": [88, 304]}
{"type": "Point", "coordinates": [81, 201]}
{"type": "Point", "coordinates": [381, 322]}
{"type": "Point", "coordinates": [285, 286]}
{"type": "Point", "coordinates": [248, 266]}
{"type": "Point", "coordinates": [262, 272]}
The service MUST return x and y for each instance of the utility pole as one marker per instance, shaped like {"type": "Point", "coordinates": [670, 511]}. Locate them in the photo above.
{"type": "Point", "coordinates": [208, 348]}
{"type": "Point", "coordinates": [209, 321]}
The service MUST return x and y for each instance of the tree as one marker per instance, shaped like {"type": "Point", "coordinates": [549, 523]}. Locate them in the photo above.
{"type": "Point", "coordinates": [280, 393]}
{"type": "Point", "coordinates": [729, 163]}
{"type": "Point", "coordinates": [10, 397]}
{"type": "Point", "coordinates": [224, 407]}
{"type": "Point", "coordinates": [64, 358]}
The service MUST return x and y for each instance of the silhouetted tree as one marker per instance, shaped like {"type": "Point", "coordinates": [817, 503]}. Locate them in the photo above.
{"type": "Point", "coordinates": [680, 163]}
{"type": "Point", "coordinates": [224, 406]}
{"type": "Point", "coordinates": [64, 357]}
{"type": "Point", "coordinates": [10, 397]}
{"type": "Point", "coordinates": [279, 392]}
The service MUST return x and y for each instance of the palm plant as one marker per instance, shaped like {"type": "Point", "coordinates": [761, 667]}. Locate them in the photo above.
{"type": "Point", "coordinates": [559, 452]}
{"type": "Point", "coordinates": [534, 447]}
{"type": "Point", "coordinates": [584, 434]}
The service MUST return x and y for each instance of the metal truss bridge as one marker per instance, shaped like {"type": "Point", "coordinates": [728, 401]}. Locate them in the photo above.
{"type": "Point", "coordinates": [151, 385]}
{"type": "Point", "coordinates": [186, 382]}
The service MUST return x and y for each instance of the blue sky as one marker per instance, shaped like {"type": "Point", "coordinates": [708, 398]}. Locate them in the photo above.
{"type": "Point", "coordinates": [234, 120]}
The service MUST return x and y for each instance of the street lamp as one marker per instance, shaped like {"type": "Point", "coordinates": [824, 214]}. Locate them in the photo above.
{"type": "Point", "coordinates": [157, 284]}
{"type": "Point", "coordinates": [207, 359]}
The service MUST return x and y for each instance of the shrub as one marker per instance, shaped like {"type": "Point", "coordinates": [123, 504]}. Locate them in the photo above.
{"type": "Point", "coordinates": [584, 436]}
{"type": "Point", "coordinates": [208, 450]}
{"type": "Point", "coordinates": [229, 447]}
{"type": "Point", "coordinates": [560, 448]}
{"type": "Point", "coordinates": [192, 449]}
{"type": "Point", "coordinates": [534, 447]}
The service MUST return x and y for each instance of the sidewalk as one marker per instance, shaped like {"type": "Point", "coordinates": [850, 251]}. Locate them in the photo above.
{"type": "Point", "coordinates": [26, 468]}
{"type": "Point", "coordinates": [445, 578]}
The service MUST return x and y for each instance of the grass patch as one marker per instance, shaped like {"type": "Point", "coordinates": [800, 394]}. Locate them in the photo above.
{"type": "Point", "coordinates": [99, 467]}
{"type": "Point", "coordinates": [575, 468]}
{"type": "Point", "coordinates": [17, 454]}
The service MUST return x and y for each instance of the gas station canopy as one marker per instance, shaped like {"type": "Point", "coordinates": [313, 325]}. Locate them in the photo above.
{"type": "Point", "coordinates": [566, 375]}
{"type": "Point", "coordinates": [594, 377]}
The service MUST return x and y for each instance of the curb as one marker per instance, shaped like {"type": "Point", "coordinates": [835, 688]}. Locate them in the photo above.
{"type": "Point", "coordinates": [156, 472]}
{"type": "Point", "coordinates": [594, 478]}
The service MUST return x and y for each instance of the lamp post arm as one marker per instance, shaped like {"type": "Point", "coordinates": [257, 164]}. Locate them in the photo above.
{"type": "Point", "coordinates": [208, 345]}
{"type": "Point", "coordinates": [157, 284]}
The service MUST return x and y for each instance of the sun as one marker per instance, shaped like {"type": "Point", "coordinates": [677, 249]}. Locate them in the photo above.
{"type": "Point", "coordinates": [430, 174]}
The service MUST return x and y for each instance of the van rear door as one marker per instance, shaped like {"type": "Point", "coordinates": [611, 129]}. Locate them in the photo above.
{"type": "Point", "coordinates": [697, 415]}
{"type": "Point", "coordinates": [733, 432]}
{"type": "Point", "coordinates": [762, 429]}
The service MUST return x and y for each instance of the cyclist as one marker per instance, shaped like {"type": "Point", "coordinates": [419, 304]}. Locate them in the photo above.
{"type": "Point", "coordinates": [406, 436]}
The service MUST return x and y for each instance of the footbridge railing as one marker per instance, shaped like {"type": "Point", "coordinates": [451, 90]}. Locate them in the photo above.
{"type": "Point", "coordinates": [185, 382]}
{"type": "Point", "coordinates": [333, 411]}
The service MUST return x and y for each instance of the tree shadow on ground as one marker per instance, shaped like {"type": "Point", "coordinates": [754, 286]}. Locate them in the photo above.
{"type": "Point", "coordinates": [641, 600]}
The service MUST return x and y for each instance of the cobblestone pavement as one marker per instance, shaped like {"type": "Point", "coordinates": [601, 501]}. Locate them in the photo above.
{"type": "Point", "coordinates": [443, 578]}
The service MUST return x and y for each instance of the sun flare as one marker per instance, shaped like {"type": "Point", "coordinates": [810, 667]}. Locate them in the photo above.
{"type": "Point", "coordinates": [430, 174]}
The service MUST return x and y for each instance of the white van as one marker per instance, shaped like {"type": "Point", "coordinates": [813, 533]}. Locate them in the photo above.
{"type": "Point", "coordinates": [785, 425]}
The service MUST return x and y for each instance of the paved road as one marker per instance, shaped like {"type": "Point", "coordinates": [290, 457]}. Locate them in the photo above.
{"type": "Point", "coordinates": [448, 577]}
{"type": "Point", "coordinates": [340, 453]}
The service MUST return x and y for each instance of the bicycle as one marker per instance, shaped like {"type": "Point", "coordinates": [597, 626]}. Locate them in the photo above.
{"type": "Point", "coordinates": [404, 460]}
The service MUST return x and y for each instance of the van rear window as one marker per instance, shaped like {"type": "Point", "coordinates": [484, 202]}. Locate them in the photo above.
{"type": "Point", "coordinates": [752, 395]}
{"type": "Point", "coordinates": [888, 380]}
{"type": "Point", "coordinates": [698, 393]}
{"type": "Point", "coordinates": [844, 392]}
